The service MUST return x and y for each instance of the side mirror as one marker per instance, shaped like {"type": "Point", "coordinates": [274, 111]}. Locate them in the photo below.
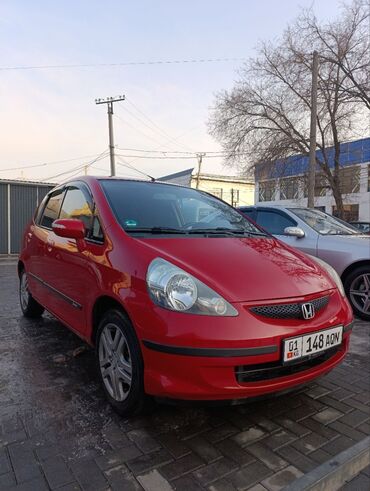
{"type": "Point", "coordinates": [69, 228]}
{"type": "Point", "coordinates": [294, 232]}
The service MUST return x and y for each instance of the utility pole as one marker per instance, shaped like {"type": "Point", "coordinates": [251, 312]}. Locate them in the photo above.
{"type": "Point", "coordinates": [109, 101]}
{"type": "Point", "coordinates": [312, 160]}
{"type": "Point", "coordinates": [200, 160]}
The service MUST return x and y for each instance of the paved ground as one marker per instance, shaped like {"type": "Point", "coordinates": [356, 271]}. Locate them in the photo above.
{"type": "Point", "coordinates": [57, 432]}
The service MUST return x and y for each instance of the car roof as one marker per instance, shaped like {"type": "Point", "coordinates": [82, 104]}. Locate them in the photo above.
{"type": "Point", "coordinates": [255, 207]}
{"type": "Point", "coordinates": [91, 179]}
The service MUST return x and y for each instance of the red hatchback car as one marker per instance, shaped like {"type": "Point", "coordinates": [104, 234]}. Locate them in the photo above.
{"type": "Point", "coordinates": [181, 296]}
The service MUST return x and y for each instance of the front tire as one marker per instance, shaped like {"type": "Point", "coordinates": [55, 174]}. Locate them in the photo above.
{"type": "Point", "coordinates": [30, 308]}
{"type": "Point", "coordinates": [357, 287]}
{"type": "Point", "coordinates": [120, 363]}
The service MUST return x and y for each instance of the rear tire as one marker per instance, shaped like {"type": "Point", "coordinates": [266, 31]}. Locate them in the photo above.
{"type": "Point", "coordinates": [30, 307]}
{"type": "Point", "coordinates": [357, 288]}
{"type": "Point", "coordinates": [120, 363]}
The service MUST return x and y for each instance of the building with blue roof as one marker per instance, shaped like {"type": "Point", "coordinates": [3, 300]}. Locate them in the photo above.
{"type": "Point", "coordinates": [284, 182]}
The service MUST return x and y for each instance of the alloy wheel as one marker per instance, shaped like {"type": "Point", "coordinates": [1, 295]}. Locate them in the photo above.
{"type": "Point", "coordinates": [23, 292]}
{"type": "Point", "coordinates": [360, 293]}
{"type": "Point", "coordinates": [115, 362]}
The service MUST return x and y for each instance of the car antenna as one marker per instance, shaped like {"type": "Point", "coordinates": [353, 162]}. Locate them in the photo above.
{"type": "Point", "coordinates": [129, 166]}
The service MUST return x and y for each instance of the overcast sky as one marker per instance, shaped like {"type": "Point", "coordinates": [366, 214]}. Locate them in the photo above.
{"type": "Point", "coordinates": [48, 115]}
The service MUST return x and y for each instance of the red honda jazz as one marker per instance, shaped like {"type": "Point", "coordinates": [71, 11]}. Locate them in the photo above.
{"type": "Point", "coordinates": [181, 296]}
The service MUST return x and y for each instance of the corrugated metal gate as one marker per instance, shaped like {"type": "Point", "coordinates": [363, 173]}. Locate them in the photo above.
{"type": "Point", "coordinates": [18, 201]}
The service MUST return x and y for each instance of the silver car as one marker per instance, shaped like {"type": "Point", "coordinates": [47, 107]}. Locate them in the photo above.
{"type": "Point", "coordinates": [342, 246]}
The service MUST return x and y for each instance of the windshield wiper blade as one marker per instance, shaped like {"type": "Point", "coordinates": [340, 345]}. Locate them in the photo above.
{"type": "Point", "coordinates": [200, 231]}
{"type": "Point", "coordinates": [156, 230]}
{"type": "Point", "coordinates": [220, 231]}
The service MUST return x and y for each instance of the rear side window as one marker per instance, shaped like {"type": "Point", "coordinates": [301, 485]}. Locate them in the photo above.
{"type": "Point", "coordinates": [52, 208]}
{"type": "Point", "coordinates": [273, 222]}
{"type": "Point", "coordinates": [248, 213]}
{"type": "Point", "coordinates": [75, 205]}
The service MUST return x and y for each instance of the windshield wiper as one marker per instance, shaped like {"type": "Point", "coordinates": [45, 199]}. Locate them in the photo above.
{"type": "Point", "coordinates": [221, 230]}
{"type": "Point", "coordinates": [156, 230]}
{"type": "Point", "coordinates": [200, 231]}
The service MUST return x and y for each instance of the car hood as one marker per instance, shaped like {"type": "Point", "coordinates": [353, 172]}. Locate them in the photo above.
{"type": "Point", "coordinates": [244, 269]}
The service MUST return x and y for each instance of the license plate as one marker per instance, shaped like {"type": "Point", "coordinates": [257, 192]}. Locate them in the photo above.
{"type": "Point", "coordinates": [306, 345]}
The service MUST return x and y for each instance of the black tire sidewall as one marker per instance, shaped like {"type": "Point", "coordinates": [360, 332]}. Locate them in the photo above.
{"type": "Point", "coordinates": [347, 283]}
{"type": "Point", "coordinates": [134, 402]}
{"type": "Point", "coordinates": [33, 309]}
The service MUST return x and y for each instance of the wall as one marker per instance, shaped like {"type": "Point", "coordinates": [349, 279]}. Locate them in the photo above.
{"type": "Point", "coordinates": [246, 190]}
{"type": "Point", "coordinates": [18, 202]}
{"type": "Point", "coordinates": [362, 198]}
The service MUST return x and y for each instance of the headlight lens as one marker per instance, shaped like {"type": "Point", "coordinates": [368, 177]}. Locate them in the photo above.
{"type": "Point", "coordinates": [174, 289]}
{"type": "Point", "coordinates": [331, 271]}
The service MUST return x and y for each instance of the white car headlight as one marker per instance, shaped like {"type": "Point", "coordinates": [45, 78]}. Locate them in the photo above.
{"type": "Point", "coordinates": [175, 289]}
{"type": "Point", "coordinates": [331, 271]}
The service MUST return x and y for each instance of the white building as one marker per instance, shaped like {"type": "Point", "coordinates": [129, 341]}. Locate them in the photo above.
{"type": "Point", "coordinates": [285, 183]}
{"type": "Point", "coordinates": [235, 190]}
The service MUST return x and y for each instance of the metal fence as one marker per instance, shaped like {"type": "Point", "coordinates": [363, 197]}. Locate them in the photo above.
{"type": "Point", "coordinates": [18, 201]}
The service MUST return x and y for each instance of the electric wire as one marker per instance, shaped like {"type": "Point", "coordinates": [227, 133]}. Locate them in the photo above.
{"type": "Point", "coordinates": [123, 163]}
{"type": "Point", "coordinates": [153, 123]}
{"type": "Point", "coordinates": [153, 127]}
{"type": "Point", "coordinates": [48, 163]}
{"type": "Point", "coordinates": [102, 156]}
{"type": "Point", "coordinates": [135, 128]}
{"type": "Point", "coordinates": [127, 63]}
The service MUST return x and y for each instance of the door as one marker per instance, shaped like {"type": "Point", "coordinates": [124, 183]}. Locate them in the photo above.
{"type": "Point", "coordinates": [276, 221]}
{"type": "Point", "coordinates": [67, 272]}
{"type": "Point", "coordinates": [37, 240]}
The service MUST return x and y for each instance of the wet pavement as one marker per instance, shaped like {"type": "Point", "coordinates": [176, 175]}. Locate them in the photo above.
{"type": "Point", "coordinates": [58, 432]}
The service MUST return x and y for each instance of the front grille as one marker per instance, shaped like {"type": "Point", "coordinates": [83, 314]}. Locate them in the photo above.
{"type": "Point", "coordinates": [288, 310]}
{"type": "Point", "coordinates": [268, 371]}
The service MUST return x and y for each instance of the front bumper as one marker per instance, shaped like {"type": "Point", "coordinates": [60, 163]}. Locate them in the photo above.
{"type": "Point", "coordinates": [193, 358]}
{"type": "Point", "coordinates": [182, 377]}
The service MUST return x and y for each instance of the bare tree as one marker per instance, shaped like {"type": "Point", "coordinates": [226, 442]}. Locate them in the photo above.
{"type": "Point", "coordinates": [347, 45]}
{"type": "Point", "coordinates": [266, 116]}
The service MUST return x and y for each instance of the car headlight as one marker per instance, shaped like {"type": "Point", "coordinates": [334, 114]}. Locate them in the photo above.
{"type": "Point", "coordinates": [331, 271]}
{"type": "Point", "coordinates": [175, 289]}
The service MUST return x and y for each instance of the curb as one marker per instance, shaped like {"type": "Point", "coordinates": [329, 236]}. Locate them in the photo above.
{"type": "Point", "coordinates": [334, 473]}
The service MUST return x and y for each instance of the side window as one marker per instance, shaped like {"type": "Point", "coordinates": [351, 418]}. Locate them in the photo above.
{"type": "Point", "coordinates": [52, 208]}
{"type": "Point", "coordinates": [75, 205]}
{"type": "Point", "coordinates": [273, 222]}
{"type": "Point", "coordinates": [248, 213]}
{"type": "Point", "coordinates": [96, 231]}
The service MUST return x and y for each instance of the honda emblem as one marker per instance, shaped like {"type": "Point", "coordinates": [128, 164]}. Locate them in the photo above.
{"type": "Point", "coordinates": [308, 311]}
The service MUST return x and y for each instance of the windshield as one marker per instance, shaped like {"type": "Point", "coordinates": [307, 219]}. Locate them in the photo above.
{"type": "Point", "coordinates": [156, 208]}
{"type": "Point", "coordinates": [323, 223]}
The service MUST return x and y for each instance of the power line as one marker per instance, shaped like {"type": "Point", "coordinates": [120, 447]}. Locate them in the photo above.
{"type": "Point", "coordinates": [179, 157]}
{"type": "Point", "coordinates": [99, 157]}
{"type": "Point", "coordinates": [48, 163]}
{"type": "Point", "coordinates": [167, 141]}
{"type": "Point", "coordinates": [160, 157]}
{"type": "Point", "coordinates": [153, 151]}
{"type": "Point", "coordinates": [127, 63]}
{"type": "Point", "coordinates": [159, 129]}
{"type": "Point", "coordinates": [130, 125]}
{"type": "Point", "coordinates": [123, 163]}
{"type": "Point", "coordinates": [218, 153]}
{"type": "Point", "coordinates": [174, 139]}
